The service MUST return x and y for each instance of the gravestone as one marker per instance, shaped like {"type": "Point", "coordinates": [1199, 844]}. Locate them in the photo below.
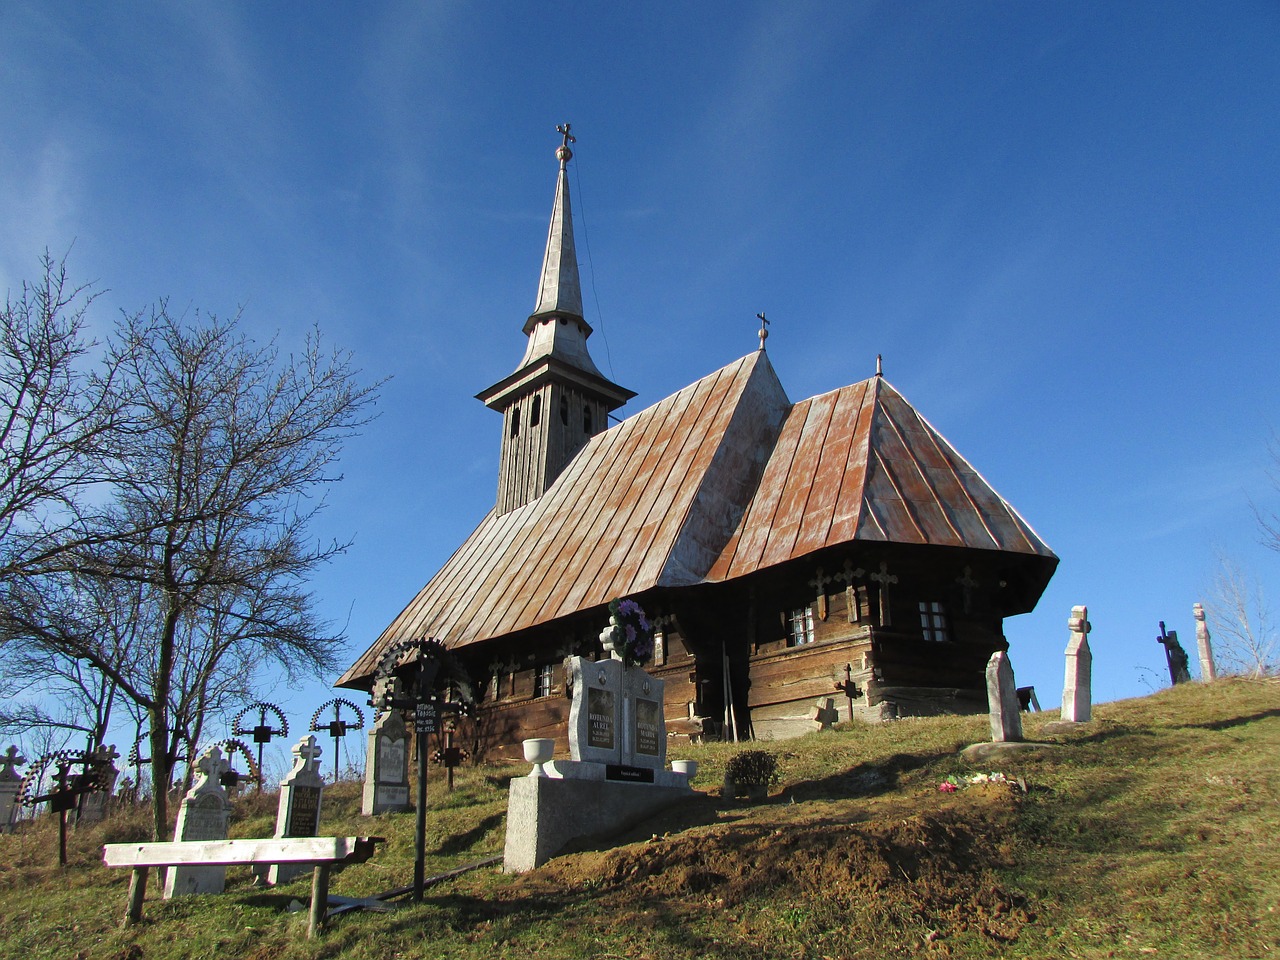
{"type": "Point", "coordinates": [1002, 700]}
{"type": "Point", "coordinates": [299, 811]}
{"type": "Point", "coordinates": [10, 784]}
{"type": "Point", "coordinates": [93, 806]}
{"type": "Point", "coordinates": [1077, 690]}
{"type": "Point", "coordinates": [1208, 672]}
{"type": "Point", "coordinates": [825, 713]}
{"type": "Point", "coordinates": [1175, 656]}
{"type": "Point", "coordinates": [202, 816]}
{"type": "Point", "coordinates": [617, 773]}
{"type": "Point", "coordinates": [386, 771]}
{"type": "Point", "coordinates": [616, 717]}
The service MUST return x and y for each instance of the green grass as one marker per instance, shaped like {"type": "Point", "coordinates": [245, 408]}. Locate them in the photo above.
{"type": "Point", "coordinates": [1150, 832]}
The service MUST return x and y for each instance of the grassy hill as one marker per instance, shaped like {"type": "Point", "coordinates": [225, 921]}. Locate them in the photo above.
{"type": "Point", "coordinates": [1151, 832]}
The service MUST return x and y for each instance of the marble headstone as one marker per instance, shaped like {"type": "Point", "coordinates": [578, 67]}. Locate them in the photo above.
{"type": "Point", "coordinates": [1205, 646]}
{"type": "Point", "coordinates": [1077, 690]}
{"type": "Point", "coordinates": [299, 812]}
{"type": "Point", "coordinates": [386, 777]}
{"type": "Point", "coordinates": [616, 715]}
{"type": "Point", "coordinates": [1002, 699]}
{"type": "Point", "coordinates": [202, 815]}
{"type": "Point", "coordinates": [10, 782]}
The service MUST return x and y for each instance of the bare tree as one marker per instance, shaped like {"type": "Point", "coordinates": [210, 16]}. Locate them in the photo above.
{"type": "Point", "coordinates": [1245, 639]}
{"type": "Point", "coordinates": [207, 527]}
{"type": "Point", "coordinates": [57, 411]}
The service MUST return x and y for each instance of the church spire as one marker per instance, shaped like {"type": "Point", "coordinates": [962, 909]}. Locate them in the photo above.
{"type": "Point", "coordinates": [559, 289]}
{"type": "Point", "coordinates": [556, 399]}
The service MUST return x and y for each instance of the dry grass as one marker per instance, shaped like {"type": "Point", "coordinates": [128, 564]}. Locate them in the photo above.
{"type": "Point", "coordinates": [1149, 833]}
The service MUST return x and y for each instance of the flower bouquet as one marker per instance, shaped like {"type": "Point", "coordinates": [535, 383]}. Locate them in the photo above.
{"type": "Point", "coordinates": [630, 634]}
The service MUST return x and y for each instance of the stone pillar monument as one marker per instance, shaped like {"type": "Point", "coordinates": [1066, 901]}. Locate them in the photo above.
{"type": "Point", "coordinates": [1077, 690]}
{"type": "Point", "coordinates": [1207, 671]}
{"type": "Point", "coordinates": [299, 811]}
{"type": "Point", "coordinates": [1002, 699]}
{"type": "Point", "coordinates": [203, 815]}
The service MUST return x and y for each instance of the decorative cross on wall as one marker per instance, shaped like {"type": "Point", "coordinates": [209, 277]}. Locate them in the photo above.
{"type": "Point", "coordinates": [819, 584]}
{"type": "Point", "coordinates": [848, 574]}
{"type": "Point", "coordinates": [884, 578]}
{"type": "Point", "coordinates": [969, 585]}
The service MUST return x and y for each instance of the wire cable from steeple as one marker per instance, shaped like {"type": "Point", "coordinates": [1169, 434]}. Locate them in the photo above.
{"type": "Point", "coordinates": [591, 267]}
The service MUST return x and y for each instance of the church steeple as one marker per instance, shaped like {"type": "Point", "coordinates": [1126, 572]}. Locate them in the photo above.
{"type": "Point", "coordinates": [556, 399]}
{"type": "Point", "coordinates": [559, 290]}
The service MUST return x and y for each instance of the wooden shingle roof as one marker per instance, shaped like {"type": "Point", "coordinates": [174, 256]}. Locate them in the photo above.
{"type": "Point", "coordinates": [713, 483]}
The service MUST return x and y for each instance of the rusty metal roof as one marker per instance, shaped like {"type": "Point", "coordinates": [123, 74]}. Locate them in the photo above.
{"type": "Point", "coordinates": [715, 482]}
{"type": "Point", "coordinates": [861, 464]}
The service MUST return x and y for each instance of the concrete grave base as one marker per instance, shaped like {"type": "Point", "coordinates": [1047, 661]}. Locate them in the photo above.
{"type": "Point", "coordinates": [986, 753]}
{"type": "Point", "coordinates": [545, 813]}
{"type": "Point", "coordinates": [1056, 727]}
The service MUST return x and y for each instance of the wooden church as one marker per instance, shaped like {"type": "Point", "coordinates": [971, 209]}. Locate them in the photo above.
{"type": "Point", "coordinates": [837, 547]}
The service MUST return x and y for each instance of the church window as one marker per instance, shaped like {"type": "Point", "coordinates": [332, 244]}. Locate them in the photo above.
{"type": "Point", "coordinates": [564, 410]}
{"type": "Point", "coordinates": [933, 621]}
{"type": "Point", "coordinates": [586, 419]}
{"type": "Point", "coordinates": [543, 680]}
{"type": "Point", "coordinates": [535, 415]}
{"type": "Point", "coordinates": [801, 626]}
{"type": "Point", "coordinates": [515, 422]}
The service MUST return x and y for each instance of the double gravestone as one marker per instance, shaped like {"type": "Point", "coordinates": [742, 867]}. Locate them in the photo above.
{"type": "Point", "coordinates": [616, 775]}
{"type": "Point", "coordinates": [202, 815]}
{"type": "Point", "coordinates": [616, 719]}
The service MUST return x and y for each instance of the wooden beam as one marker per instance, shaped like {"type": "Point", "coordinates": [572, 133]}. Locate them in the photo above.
{"type": "Point", "coordinates": [216, 853]}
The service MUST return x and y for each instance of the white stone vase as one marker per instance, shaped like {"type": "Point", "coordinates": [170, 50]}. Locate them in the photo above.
{"type": "Point", "coordinates": [688, 767]}
{"type": "Point", "coordinates": [538, 750]}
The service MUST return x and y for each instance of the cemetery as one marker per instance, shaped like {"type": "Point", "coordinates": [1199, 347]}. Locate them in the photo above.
{"type": "Point", "coordinates": [868, 841]}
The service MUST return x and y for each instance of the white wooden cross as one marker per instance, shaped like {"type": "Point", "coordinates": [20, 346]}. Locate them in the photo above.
{"type": "Point", "coordinates": [884, 578]}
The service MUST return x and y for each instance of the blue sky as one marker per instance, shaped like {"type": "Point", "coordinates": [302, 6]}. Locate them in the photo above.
{"type": "Point", "coordinates": [1058, 222]}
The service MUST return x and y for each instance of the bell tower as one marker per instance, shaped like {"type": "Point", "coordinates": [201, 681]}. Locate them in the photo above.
{"type": "Point", "coordinates": [556, 399]}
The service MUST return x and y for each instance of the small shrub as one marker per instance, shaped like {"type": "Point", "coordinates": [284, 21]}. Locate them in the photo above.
{"type": "Point", "coordinates": [752, 768]}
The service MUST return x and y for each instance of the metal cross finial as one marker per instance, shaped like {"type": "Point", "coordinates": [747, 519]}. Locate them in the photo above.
{"type": "Point", "coordinates": [764, 328]}
{"type": "Point", "coordinates": [563, 129]}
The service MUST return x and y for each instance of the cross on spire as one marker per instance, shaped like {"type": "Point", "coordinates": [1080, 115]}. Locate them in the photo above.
{"type": "Point", "coordinates": [764, 328]}
{"type": "Point", "coordinates": [563, 153]}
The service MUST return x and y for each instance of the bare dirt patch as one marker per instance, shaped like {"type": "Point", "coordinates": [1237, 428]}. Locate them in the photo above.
{"type": "Point", "coordinates": [897, 865]}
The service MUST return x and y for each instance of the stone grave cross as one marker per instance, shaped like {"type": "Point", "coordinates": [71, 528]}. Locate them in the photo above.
{"type": "Point", "coordinates": [202, 815]}
{"type": "Point", "coordinates": [299, 812]}
{"type": "Point", "coordinates": [10, 783]}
